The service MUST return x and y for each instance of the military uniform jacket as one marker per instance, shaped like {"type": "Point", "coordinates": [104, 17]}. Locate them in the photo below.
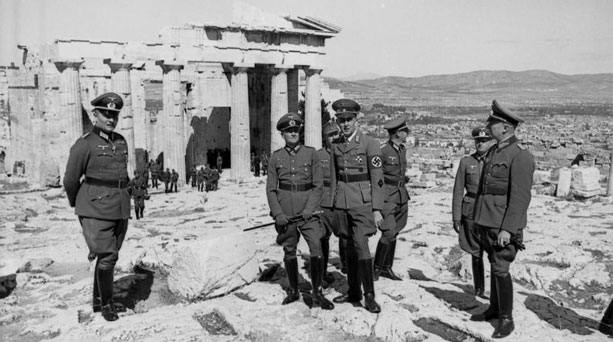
{"type": "Point", "coordinates": [504, 191]}
{"type": "Point", "coordinates": [357, 158]}
{"type": "Point", "coordinates": [104, 157]}
{"type": "Point", "coordinates": [174, 177]}
{"type": "Point", "coordinates": [300, 168]}
{"type": "Point", "coordinates": [467, 177]}
{"type": "Point", "coordinates": [138, 187]}
{"type": "Point", "coordinates": [394, 170]}
{"type": "Point", "coordinates": [324, 159]}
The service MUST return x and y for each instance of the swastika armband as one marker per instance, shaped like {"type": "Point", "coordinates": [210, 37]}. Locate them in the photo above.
{"type": "Point", "coordinates": [376, 162]}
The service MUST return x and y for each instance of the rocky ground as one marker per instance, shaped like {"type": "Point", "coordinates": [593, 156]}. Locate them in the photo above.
{"type": "Point", "coordinates": [562, 281]}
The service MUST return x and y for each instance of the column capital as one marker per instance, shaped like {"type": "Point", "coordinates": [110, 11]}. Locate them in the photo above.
{"type": "Point", "coordinates": [62, 65]}
{"type": "Point", "coordinates": [117, 64]}
{"type": "Point", "coordinates": [280, 68]}
{"type": "Point", "coordinates": [313, 70]}
{"type": "Point", "coordinates": [170, 65]}
{"type": "Point", "coordinates": [236, 68]}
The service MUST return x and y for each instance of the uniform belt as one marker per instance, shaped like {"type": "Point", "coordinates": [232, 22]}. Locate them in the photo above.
{"type": "Point", "coordinates": [399, 184]}
{"type": "Point", "coordinates": [343, 177]}
{"type": "Point", "coordinates": [295, 187]}
{"type": "Point", "coordinates": [471, 195]}
{"type": "Point", "coordinates": [495, 192]}
{"type": "Point", "coordinates": [108, 183]}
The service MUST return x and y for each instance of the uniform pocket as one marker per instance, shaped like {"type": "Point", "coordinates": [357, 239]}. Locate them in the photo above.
{"type": "Point", "coordinates": [100, 196]}
{"type": "Point", "coordinates": [365, 190]}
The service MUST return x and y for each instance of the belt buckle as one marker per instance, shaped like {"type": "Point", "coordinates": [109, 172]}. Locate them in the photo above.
{"type": "Point", "coordinates": [121, 184]}
{"type": "Point", "coordinates": [400, 185]}
{"type": "Point", "coordinates": [345, 177]}
{"type": "Point", "coordinates": [294, 187]}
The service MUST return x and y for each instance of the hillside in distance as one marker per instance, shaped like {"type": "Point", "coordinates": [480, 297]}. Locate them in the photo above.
{"type": "Point", "coordinates": [523, 88]}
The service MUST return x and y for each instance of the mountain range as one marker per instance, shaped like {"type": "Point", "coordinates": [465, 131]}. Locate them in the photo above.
{"type": "Point", "coordinates": [528, 88]}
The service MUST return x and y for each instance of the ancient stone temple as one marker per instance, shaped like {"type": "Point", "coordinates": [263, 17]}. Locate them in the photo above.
{"type": "Point", "coordinates": [199, 92]}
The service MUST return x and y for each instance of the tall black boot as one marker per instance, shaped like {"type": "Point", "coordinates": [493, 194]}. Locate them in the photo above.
{"type": "Point", "coordinates": [137, 212]}
{"type": "Point", "coordinates": [493, 310]}
{"type": "Point", "coordinates": [389, 262]}
{"type": "Point", "coordinates": [505, 301]}
{"type": "Point", "coordinates": [291, 267]}
{"type": "Point", "coordinates": [366, 273]}
{"type": "Point", "coordinates": [606, 323]}
{"type": "Point", "coordinates": [342, 253]}
{"type": "Point", "coordinates": [354, 294]}
{"type": "Point", "coordinates": [478, 276]}
{"type": "Point", "coordinates": [105, 285]}
{"type": "Point", "coordinates": [317, 269]}
{"type": "Point", "coordinates": [142, 212]}
{"type": "Point", "coordinates": [96, 303]}
{"type": "Point", "coordinates": [325, 250]}
{"type": "Point", "coordinates": [380, 256]}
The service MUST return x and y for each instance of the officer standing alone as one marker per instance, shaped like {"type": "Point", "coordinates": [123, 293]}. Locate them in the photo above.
{"type": "Point", "coordinates": [101, 201]}
{"type": "Point", "coordinates": [294, 187]}
{"type": "Point", "coordinates": [501, 211]}
{"type": "Point", "coordinates": [396, 207]}
{"type": "Point", "coordinates": [357, 187]}
{"type": "Point", "coordinates": [463, 204]}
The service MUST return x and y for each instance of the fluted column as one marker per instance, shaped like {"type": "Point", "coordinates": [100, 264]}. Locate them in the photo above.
{"type": "Point", "coordinates": [278, 105]}
{"type": "Point", "coordinates": [610, 181]}
{"type": "Point", "coordinates": [239, 125]}
{"type": "Point", "coordinates": [37, 153]}
{"type": "Point", "coordinates": [70, 98]}
{"type": "Point", "coordinates": [172, 117]}
{"type": "Point", "coordinates": [121, 84]}
{"type": "Point", "coordinates": [312, 108]}
{"type": "Point", "coordinates": [70, 105]}
{"type": "Point", "coordinates": [140, 117]}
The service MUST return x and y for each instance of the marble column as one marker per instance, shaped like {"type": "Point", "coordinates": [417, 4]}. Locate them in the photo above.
{"type": "Point", "coordinates": [121, 84]}
{"type": "Point", "coordinates": [312, 108]}
{"type": "Point", "coordinates": [173, 119]}
{"type": "Point", "coordinates": [141, 124]}
{"type": "Point", "coordinates": [239, 125]}
{"type": "Point", "coordinates": [70, 106]}
{"type": "Point", "coordinates": [278, 105]}
{"type": "Point", "coordinates": [70, 99]}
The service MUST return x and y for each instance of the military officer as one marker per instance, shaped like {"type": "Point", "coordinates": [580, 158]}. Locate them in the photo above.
{"type": "Point", "coordinates": [501, 211]}
{"type": "Point", "coordinates": [194, 175]}
{"type": "Point", "coordinates": [155, 173]}
{"type": "Point", "coordinates": [331, 132]}
{"type": "Point", "coordinates": [464, 194]}
{"type": "Point", "coordinates": [357, 187]}
{"type": "Point", "coordinates": [174, 178]}
{"type": "Point", "coordinates": [293, 187]}
{"type": "Point", "coordinates": [101, 200]}
{"type": "Point", "coordinates": [396, 207]}
{"type": "Point", "coordinates": [166, 179]}
{"type": "Point", "coordinates": [137, 188]}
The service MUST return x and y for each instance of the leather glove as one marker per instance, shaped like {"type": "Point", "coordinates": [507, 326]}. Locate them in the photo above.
{"type": "Point", "coordinates": [307, 214]}
{"type": "Point", "coordinates": [378, 218]}
{"type": "Point", "coordinates": [457, 225]}
{"type": "Point", "coordinates": [281, 220]}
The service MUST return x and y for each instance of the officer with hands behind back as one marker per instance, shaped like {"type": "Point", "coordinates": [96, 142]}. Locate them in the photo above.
{"type": "Point", "coordinates": [101, 201]}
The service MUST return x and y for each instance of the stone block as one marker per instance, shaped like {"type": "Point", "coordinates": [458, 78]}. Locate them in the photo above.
{"type": "Point", "coordinates": [210, 268]}
{"type": "Point", "coordinates": [564, 181]}
{"type": "Point", "coordinates": [541, 177]}
{"type": "Point", "coordinates": [428, 177]}
{"type": "Point", "coordinates": [585, 178]}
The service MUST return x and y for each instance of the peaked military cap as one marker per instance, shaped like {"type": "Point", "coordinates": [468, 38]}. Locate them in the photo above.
{"type": "Point", "coordinates": [481, 132]}
{"type": "Point", "coordinates": [289, 120]}
{"type": "Point", "coordinates": [397, 124]}
{"type": "Point", "coordinates": [108, 101]}
{"type": "Point", "coordinates": [499, 113]}
{"type": "Point", "coordinates": [330, 128]}
{"type": "Point", "coordinates": [345, 108]}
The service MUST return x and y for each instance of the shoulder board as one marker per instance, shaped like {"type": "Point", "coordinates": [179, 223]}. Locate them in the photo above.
{"type": "Point", "coordinates": [309, 147]}
{"type": "Point", "coordinates": [383, 145]}
{"type": "Point", "coordinates": [279, 150]}
{"type": "Point", "coordinates": [86, 135]}
{"type": "Point", "coordinates": [521, 146]}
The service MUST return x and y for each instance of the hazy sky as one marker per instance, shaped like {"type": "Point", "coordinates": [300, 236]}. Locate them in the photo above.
{"type": "Point", "coordinates": [398, 37]}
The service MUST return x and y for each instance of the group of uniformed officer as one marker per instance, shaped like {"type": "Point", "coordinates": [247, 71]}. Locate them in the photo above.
{"type": "Point", "coordinates": [359, 185]}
